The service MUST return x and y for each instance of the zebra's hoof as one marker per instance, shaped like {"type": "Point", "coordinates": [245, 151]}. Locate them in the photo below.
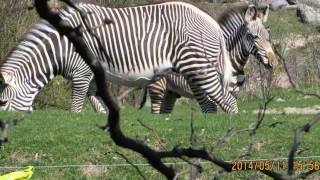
{"type": "Point", "coordinates": [3, 141]}
{"type": "Point", "coordinates": [104, 127]}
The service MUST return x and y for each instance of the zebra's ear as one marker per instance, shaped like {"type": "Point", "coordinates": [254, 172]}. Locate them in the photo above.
{"type": "Point", "coordinates": [263, 14]}
{"type": "Point", "coordinates": [251, 13]}
{"type": "Point", "coordinates": [266, 14]}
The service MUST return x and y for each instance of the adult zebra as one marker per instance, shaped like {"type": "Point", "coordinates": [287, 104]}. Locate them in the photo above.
{"type": "Point", "coordinates": [41, 55]}
{"type": "Point", "coordinates": [243, 38]}
{"type": "Point", "coordinates": [143, 42]}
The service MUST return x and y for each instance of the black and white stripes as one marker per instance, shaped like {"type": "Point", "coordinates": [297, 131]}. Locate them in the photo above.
{"type": "Point", "coordinates": [143, 42]}
{"type": "Point", "coordinates": [245, 34]}
{"type": "Point", "coordinates": [41, 55]}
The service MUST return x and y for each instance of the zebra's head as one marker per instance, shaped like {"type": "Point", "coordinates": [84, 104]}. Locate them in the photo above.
{"type": "Point", "coordinates": [9, 100]}
{"type": "Point", "coordinates": [257, 37]}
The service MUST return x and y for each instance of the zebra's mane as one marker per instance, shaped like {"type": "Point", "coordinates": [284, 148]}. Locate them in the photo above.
{"type": "Point", "coordinates": [142, 3]}
{"type": "Point", "coordinates": [227, 15]}
{"type": "Point", "coordinates": [238, 11]}
{"type": "Point", "coordinates": [200, 6]}
{"type": "Point", "coordinates": [24, 38]}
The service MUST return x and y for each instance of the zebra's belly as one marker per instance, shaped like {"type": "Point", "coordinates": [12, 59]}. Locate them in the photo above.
{"type": "Point", "coordinates": [137, 79]}
{"type": "Point", "coordinates": [178, 84]}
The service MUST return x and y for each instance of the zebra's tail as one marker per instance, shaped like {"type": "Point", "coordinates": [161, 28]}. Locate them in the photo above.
{"type": "Point", "coordinates": [143, 97]}
{"type": "Point", "coordinates": [227, 66]}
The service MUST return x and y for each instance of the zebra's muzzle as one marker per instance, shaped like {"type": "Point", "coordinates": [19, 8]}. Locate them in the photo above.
{"type": "Point", "coordinates": [273, 60]}
{"type": "Point", "coordinates": [3, 102]}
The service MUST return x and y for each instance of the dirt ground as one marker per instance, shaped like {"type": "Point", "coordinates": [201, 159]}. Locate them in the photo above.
{"type": "Point", "coordinates": [293, 110]}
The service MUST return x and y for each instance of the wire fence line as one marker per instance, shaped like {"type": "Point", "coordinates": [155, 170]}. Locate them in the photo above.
{"type": "Point", "coordinates": [146, 164]}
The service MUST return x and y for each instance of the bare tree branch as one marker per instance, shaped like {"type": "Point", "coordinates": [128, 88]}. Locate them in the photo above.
{"type": "Point", "coordinates": [297, 141]}
{"type": "Point", "coordinates": [5, 126]}
{"type": "Point", "coordinates": [125, 93]}
{"type": "Point", "coordinates": [195, 168]}
{"type": "Point", "coordinates": [290, 78]}
{"type": "Point", "coordinates": [154, 133]}
{"type": "Point", "coordinates": [154, 158]}
{"type": "Point", "coordinates": [132, 164]}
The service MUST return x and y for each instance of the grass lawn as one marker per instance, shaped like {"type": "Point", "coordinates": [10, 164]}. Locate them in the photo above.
{"type": "Point", "coordinates": [60, 138]}
{"type": "Point", "coordinates": [57, 137]}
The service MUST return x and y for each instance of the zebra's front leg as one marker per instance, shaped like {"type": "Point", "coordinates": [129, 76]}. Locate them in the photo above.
{"type": "Point", "coordinates": [207, 87]}
{"type": "Point", "coordinates": [79, 92]}
{"type": "Point", "coordinates": [168, 102]}
{"type": "Point", "coordinates": [156, 101]}
{"type": "Point", "coordinates": [157, 93]}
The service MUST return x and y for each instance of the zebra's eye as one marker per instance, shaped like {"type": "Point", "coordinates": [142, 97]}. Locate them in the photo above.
{"type": "Point", "coordinates": [2, 87]}
{"type": "Point", "coordinates": [252, 36]}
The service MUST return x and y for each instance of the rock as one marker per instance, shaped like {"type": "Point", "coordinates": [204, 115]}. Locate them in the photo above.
{"type": "Point", "coordinates": [308, 14]}
{"type": "Point", "coordinates": [312, 3]}
{"type": "Point", "coordinates": [281, 81]}
{"type": "Point", "coordinates": [278, 4]}
{"type": "Point", "coordinates": [280, 100]}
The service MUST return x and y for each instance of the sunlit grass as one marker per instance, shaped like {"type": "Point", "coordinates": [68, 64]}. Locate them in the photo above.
{"type": "Point", "coordinates": [57, 137]}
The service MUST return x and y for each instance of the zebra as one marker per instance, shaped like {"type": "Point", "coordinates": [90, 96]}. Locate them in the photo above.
{"type": "Point", "coordinates": [41, 55]}
{"type": "Point", "coordinates": [242, 37]}
{"type": "Point", "coordinates": [147, 41]}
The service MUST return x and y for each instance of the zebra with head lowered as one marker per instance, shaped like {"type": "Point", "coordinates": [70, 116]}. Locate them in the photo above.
{"type": "Point", "coordinates": [144, 42]}
{"type": "Point", "coordinates": [243, 36]}
{"type": "Point", "coordinates": [41, 55]}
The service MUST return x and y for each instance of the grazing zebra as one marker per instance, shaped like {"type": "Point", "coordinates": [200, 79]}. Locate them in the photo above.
{"type": "Point", "coordinates": [145, 42]}
{"type": "Point", "coordinates": [243, 38]}
{"type": "Point", "coordinates": [40, 56]}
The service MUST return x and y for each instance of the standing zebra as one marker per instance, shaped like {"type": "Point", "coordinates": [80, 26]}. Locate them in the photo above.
{"type": "Point", "coordinates": [243, 37]}
{"type": "Point", "coordinates": [40, 56]}
{"type": "Point", "coordinates": [144, 42]}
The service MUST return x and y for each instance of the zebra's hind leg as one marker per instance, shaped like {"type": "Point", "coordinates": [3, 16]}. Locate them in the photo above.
{"type": "Point", "coordinates": [96, 102]}
{"type": "Point", "coordinates": [99, 107]}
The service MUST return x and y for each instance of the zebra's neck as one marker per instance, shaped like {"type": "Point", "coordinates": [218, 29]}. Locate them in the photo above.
{"type": "Point", "coordinates": [234, 29]}
{"type": "Point", "coordinates": [40, 56]}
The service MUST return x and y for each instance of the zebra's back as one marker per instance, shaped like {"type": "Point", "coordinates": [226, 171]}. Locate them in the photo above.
{"type": "Point", "coordinates": [143, 41]}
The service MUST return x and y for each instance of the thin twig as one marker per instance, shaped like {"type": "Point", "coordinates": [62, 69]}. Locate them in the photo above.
{"type": "Point", "coordinates": [297, 141]}
{"type": "Point", "coordinates": [293, 85]}
{"type": "Point", "coordinates": [154, 133]}
{"type": "Point", "coordinates": [125, 93]}
{"type": "Point", "coordinates": [132, 164]}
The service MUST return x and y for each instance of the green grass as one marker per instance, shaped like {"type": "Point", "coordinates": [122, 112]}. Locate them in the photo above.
{"type": "Point", "coordinates": [57, 137]}
{"type": "Point", "coordinates": [286, 22]}
{"type": "Point", "coordinates": [282, 23]}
